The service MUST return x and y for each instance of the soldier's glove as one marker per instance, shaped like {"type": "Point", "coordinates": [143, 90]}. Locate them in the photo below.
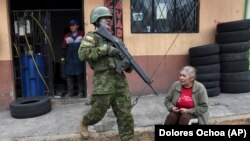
{"type": "Point", "coordinates": [113, 51]}
{"type": "Point", "coordinates": [127, 66]}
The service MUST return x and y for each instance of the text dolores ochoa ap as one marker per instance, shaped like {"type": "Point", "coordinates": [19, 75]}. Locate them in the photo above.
{"type": "Point", "coordinates": [228, 132]}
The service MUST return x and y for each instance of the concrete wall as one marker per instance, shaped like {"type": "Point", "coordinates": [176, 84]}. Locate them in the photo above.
{"type": "Point", "coordinates": [6, 65]}
{"type": "Point", "coordinates": [211, 13]}
{"type": "Point", "coordinates": [149, 49]}
{"type": "Point", "coordinates": [5, 50]}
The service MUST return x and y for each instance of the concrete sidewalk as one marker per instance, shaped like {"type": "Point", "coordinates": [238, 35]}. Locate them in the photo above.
{"type": "Point", "coordinates": [62, 123]}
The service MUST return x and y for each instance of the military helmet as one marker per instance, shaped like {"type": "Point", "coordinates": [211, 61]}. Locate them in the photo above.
{"type": "Point", "coordinates": [99, 12]}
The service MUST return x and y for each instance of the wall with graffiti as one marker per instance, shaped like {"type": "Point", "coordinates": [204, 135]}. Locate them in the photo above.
{"type": "Point", "coordinates": [115, 6]}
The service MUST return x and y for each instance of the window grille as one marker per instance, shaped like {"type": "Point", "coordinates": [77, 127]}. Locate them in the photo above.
{"type": "Point", "coordinates": [164, 16]}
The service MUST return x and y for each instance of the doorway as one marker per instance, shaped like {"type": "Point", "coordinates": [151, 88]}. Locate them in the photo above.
{"type": "Point", "coordinates": [37, 29]}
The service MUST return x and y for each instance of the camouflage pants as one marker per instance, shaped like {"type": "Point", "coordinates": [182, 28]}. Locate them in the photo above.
{"type": "Point", "coordinates": [121, 105]}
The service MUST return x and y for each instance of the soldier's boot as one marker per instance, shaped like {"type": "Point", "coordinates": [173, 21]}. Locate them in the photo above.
{"type": "Point", "coordinates": [88, 102]}
{"type": "Point", "coordinates": [84, 130]}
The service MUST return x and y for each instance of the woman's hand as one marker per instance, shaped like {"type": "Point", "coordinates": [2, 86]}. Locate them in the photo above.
{"type": "Point", "coordinates": [183, 110]}
{"type": "Point", "coordinates": [175, 109]}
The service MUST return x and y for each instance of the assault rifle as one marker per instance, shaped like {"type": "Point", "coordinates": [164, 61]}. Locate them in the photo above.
{"type": "Point", "coordinates": [125, 55]}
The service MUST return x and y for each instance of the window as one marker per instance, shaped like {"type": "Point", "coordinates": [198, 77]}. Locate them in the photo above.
{"type": "Point", "coordinates": [164, 16]}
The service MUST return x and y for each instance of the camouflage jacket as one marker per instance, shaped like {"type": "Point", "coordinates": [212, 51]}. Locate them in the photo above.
{"type": "Point", "coordinates": [94, 50]}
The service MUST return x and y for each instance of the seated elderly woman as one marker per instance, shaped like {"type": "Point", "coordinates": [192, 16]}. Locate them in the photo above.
{"type": "Point", "coordinates": [187, 99]}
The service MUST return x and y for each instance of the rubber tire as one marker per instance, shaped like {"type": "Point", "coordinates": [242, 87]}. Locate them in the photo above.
{"type": "Point", "coordinates": [204, 50]}
{"type": "Point", "coordinates": [233, 26]}
{"type": "Point", "coordinates": [30, 107]}
{"type": "Point", "coordinates": [235, 87]}
{"type": "Point", "coordinates": [233, 37]}
{"type": "Point", "coordinates": [211, 84]}
{"type": "Point", "coordinates": [234, 47]}
{"type": "Point", "coordinates": [205, 60]}
{"type": "Point", "coordinates": [212, 92]}
{"type": "Point", "coordinates": [235, 77]}
{"type": "Point", "coordinates": [239, 56]}
{"type": "Point", "coordinates": [213, 68]}
{"type": "Point", "coordinates": [208, 77]}
{"type": "Point", "coordinates": [236, 66]}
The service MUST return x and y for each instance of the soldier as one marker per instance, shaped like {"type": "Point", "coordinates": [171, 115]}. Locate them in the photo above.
{"type": "Point", "coordinates": [110, 87]}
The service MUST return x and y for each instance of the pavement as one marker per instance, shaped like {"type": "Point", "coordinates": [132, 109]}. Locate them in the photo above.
{"type": "Point", "coordinates": [62, 123]}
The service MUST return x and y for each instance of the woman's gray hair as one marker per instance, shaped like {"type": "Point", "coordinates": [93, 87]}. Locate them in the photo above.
{"type": "Point", "coordinates": [191, 71]}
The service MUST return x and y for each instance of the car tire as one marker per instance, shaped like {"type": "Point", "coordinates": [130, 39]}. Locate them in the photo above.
{"type": "Point", "coordinates": [30, 107]}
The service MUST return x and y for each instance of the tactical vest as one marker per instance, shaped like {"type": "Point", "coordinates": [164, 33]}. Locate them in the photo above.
{"type": "Point", "coordinates": [106, 62]}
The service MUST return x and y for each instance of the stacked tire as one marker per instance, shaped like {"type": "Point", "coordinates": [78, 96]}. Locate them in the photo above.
{"type": "Point", "coordinates": [206, 59]}
{"type": "Point", "coordinates": [233, 38]}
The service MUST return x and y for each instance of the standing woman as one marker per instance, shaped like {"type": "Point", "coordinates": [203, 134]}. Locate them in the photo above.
{"type": "Point", "coordinates": [187, 99]}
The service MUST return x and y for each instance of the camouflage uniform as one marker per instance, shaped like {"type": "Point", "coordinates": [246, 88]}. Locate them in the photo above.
{"type": "Point", "coordinates": [110, 87]}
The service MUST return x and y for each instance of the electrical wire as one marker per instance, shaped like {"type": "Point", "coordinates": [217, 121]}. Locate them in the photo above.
{"type": "Point", "coordinates": [32, 56]}
{"type": "Point", "coordinates": [171, 45]}
{"type": "Point", "coordinates": [16, 49]}
{"type": "Point", "coordinates": [49, 42]}
{"type": "Point", "coordinates": [46, 35]}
